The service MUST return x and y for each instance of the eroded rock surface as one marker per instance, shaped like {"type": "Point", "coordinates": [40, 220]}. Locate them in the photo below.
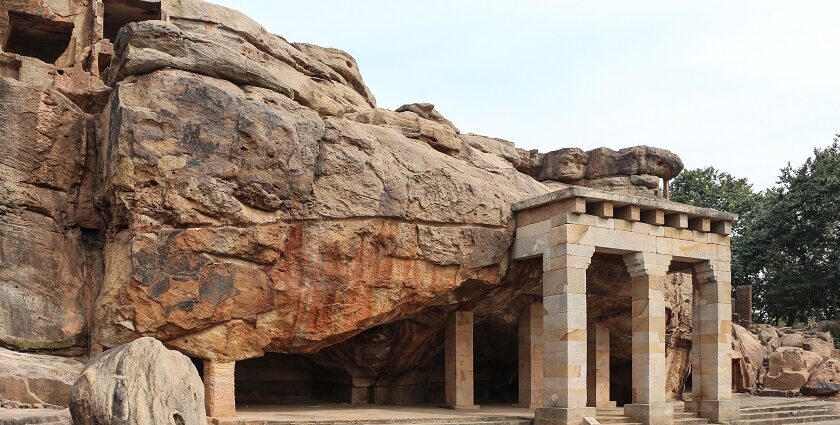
{"type": "Point", "coordinates": [37, 380]}
{"type": "Point", "coordinates": [234, 194]}
{"type": "Point", "coordinates": [139, 383]}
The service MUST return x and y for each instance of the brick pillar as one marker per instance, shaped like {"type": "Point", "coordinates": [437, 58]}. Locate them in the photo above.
{"type": "Point", "coordinates": [711, 357]}
{"type": "Point", "coordinates": [219, 398]}
{"type": "Point", "coordinates": [458, 364]}
{"type": "Point", "coordinates": [564, 332]}
{"type": "Point", "coordinates": [530, 356]}
{"type": "Point", "coordinates": [648, 273]}
{"type": "Point", "coordinates": [598, 361]}
{"type": "Point", "coordinates": [743, 305]}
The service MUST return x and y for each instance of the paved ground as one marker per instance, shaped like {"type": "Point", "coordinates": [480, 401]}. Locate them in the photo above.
{"type": "Point", "coordinates": [326, 412]}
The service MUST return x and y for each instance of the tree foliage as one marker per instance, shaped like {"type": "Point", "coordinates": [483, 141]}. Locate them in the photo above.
{"type": "Point", "coordinates": [786, 242]}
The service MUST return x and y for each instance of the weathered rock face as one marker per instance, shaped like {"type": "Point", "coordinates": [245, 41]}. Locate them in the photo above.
{"type": "Point", "coordinates": [37, 380]}
{"type": "Point", "coordinates": [139, 383]}
{"type": "Point", "coordinates": [45, 255]}
{"type": "Point", "coordinates": [238, 194]}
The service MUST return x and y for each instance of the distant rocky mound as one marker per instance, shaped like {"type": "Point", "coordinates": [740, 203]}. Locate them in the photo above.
{"type": "Point", "coordinates": [173, 170]}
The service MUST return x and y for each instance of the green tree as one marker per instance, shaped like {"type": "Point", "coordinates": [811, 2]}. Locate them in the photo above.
{"type": "Point", "coordinates": [791, 248]}
{"type": "Point", "coordinates": [711, 188]}
{"type": "Point", "coordinates": [786, 242]}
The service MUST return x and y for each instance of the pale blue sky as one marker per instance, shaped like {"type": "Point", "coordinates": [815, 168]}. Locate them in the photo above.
{"type": "Point", "coordinates": [744, 86]}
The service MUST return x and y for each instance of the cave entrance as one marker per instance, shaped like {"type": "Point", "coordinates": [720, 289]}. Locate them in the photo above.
{"type": "Point", "coordinates": [289, 379]}
{"type": "Point", "coordinates": [496, 364]}
{"type": "Point", "coordinates": [118, 13]}
{"type": "Point", "coordinates": [37, 37]}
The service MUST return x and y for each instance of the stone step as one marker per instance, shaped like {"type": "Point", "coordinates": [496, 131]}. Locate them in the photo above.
{"type": "Point", "coordinates": [783, 407]}
{"type": "Point", "coordinates": [684, 415]}
{"type": "Point", "coordinates": [783, 414]}
{"type": "Point", "coordinates": [787, 421]}
{"type": "Point", "coordinates": [691, 421]}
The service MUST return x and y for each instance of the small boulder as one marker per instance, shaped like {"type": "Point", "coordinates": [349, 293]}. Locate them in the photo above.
{"type": "Point", "coordinates": [790, 368]}
{"type": "Point", "coordinates": [824, 380]}
{"type": "Point", "coordinates": [792, 340]}
{"type": "Point", "coordinates": [139, 383]}
{"type": "Point", "coordinates": [819, 346]}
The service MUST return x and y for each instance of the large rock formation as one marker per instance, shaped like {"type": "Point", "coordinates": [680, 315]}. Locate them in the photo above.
{"type": "Point", "coordinates": [140, 383]}
{"type": "Point", "coordinates": [173, 170]}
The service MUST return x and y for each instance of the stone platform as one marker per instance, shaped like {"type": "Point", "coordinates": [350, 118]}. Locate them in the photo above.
{"type": "Point", "coordinates": [345, 414]}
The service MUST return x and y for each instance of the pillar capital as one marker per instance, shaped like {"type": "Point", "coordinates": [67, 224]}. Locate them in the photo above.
{"type": "Point", "coordinates": [640, 264]}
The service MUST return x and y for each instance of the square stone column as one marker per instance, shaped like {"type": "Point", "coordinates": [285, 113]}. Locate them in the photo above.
{"type": "Point", "coordinates": [531, 356]}
{"type": "Point", "coordinates": [648, 273]}
{"type": "Point", "coordinates": [219, 395]}
{"type": "Point", "coordinates": [564, 332]}
{"type": "Point", "coordinates": [360, 390]}
{"type": "Point", "coordinates": [598, 361]}
{"type": "Point", "coordinates": [458, 358]}
{"type": "Point", "coordinates": [711, 356]}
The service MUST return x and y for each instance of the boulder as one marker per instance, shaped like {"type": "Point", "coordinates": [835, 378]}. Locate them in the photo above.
{"type": "Point", "coordinates": [427, 111]}
{"type": "Point", "coordinates": [824, 380]}
{"type": "Point", "coordinates": [790, 368]}
{"type": "Point", "coordinates": [819, 346]}
{"type": "Point", "coordinates": [37, 379]}
{"type": "Point", "coordinates": [147, 46]}
{"type": "Point", "coordinates": [793, 340]}
{"type": "Point", "coordinates": [139, 383]}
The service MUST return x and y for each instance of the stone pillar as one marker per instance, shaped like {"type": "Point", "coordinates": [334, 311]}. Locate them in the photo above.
{"type": "Point", "coordinates": [743, 304]}
{"type": "Point", "coordinates": [598, 361]}
{"type": "Point", "coordinates": [360, 390]}
{"type": "Point", "coordinates": [530, 356]}
{"type": "Point", "coordinates": [458, 364]}
{"type": "Point", "coordinates": [564, 332]}
{"type": "Point", "coordinates": [648, 273]}
{"type": "Point", "coordinates": [711, 357]}
{"type": "Point", "coordinates": [219, 396]}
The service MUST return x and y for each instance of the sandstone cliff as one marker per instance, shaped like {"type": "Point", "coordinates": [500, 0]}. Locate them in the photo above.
{"type": "Point", "coordinates": [232, 194]}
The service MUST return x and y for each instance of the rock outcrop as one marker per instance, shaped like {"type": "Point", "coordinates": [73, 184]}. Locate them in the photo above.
{"type": "Point", "coordinates": [139, 383]}
{"type": "Point", "coordinates": [183, 174]}
{"type": "Point", "coordinates": [37, 380]}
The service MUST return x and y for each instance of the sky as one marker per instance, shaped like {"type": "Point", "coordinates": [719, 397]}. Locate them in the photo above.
{"type": "Point", "coordinates": [743, 86]}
